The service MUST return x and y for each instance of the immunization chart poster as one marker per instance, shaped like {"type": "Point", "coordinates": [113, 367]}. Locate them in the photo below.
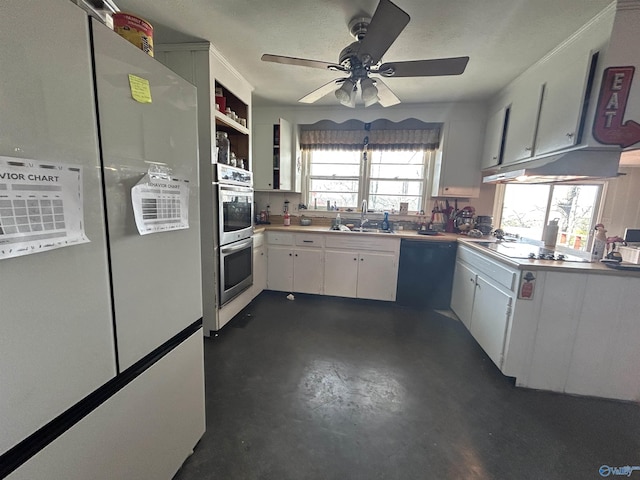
{"type": "Point", "coordinates": [160, 204]}
{"type": "Point", "coordinates": [41, 206]}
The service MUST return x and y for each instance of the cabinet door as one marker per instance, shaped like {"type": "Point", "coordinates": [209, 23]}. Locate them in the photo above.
{"type": "Point", "coordinates": [562, 101]}
{"type": "Point", "coordinates": [308, 273]}
{"type": "Point", "coordinates": [340, 273]}
{"type": "Point", "coordinates": [377, 276]}
{"type": "Point", "coordinates": [280, 269]}
{"type": "Point", "coordinates": [464, 289]}
{"type": "Point", "coordinates": [493, 139]}
{"type": "Point", "coordinates": [262, 157]}
{"type": "Point", "coordinates": [523, 118]}
{"type": "Point", "coordinates": [457, 170]}
{"type": "Point", "coordinates": [259, 270]}
{"type": "Point", "coordinates": [489, 319]}
{"type": "Point", "coordinates": [286, 168]}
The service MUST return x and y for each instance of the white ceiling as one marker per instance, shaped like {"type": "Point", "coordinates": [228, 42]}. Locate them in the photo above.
{"type": "Point", "coordinates": [501, 37]}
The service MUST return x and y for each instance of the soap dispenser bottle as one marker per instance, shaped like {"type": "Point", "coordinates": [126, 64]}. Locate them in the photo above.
{"type": "Point", "coordinates": [385, 222]}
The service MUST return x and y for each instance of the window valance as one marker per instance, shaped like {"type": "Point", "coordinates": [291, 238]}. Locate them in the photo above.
{"type": "Point", "coordinates": [378, 134]}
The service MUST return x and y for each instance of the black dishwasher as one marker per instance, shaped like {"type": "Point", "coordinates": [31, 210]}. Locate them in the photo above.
{"type": "Point", "coordinates": [425, 273]}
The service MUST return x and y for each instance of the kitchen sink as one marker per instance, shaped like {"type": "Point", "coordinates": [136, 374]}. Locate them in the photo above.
{"type": "Point", "coordinates": [364, 230]}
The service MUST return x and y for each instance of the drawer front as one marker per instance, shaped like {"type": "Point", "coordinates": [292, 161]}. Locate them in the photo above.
{"type": "Point", "coordinates": [279, 238]}
{"type": "Point", "coordinates": [309, 240]}
{"type": "Point", "coordinates": [358, 241]}
{"type": "Point", "coordinates": [489, 268]}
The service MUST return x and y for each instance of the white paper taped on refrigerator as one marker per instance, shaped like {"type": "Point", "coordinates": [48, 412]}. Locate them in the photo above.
{"type": "Point", "coordinates": [41, 206]}
{"type": "Point", "coordinates": [160, 202]}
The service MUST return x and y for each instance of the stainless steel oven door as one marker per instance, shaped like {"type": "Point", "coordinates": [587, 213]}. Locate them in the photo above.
{"type": "Point", "coordinates": [236, 269]}
{"type": "Point", "coordinates": [235, 212]}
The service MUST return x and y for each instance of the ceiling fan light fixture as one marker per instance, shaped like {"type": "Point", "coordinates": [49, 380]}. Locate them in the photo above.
{"type": "Point", "coordinates": [346, 93]}
{"type": "Point", "coordinates": [369, 91]}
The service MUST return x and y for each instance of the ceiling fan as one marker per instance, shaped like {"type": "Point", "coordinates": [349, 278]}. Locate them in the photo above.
{"type": "Point", "coordinates": [363, 58]}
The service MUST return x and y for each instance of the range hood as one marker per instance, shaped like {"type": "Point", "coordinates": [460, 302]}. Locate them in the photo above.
{"type": "Point", "coordinates": [563, 167]}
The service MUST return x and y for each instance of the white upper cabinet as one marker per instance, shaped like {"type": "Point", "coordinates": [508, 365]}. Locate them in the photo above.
{"type": "Point", "coordinates": [569, 76]}
{"type": "Point", "coordinates": [493, 139]}
{"type": "Point", "coordinates": [523, 114]}
{"type": "Point", "coordinates": [262, 156]}
{"type": "Point", "coordinates": [547, 106]}
{"type": "Point", "coordinates": [457, 165]}
{"type": "Point", "coordinates": [273, 166]}
{"type": "Point", "coordinates": [563, 100]}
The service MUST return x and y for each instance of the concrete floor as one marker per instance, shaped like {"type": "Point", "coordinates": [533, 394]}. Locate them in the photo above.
{"type": "Point", "coordinates": [328, 388]}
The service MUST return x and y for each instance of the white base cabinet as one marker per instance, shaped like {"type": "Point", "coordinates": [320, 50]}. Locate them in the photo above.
{"type": "Point", "coordinates": [259, 264]}
{"type": "Point", "coordinates": [490, 318]}
{"type": "Point", "coordinates": [361, 275]}
{"type": "Point", "coordinates": [341, 274]}
{"type": "Point", "coordinates": [343, 265]}
{"type": "Point", "coordinates": [295, 268]}
{"type": "Point", "coordinates": [463, 292]}
{"type": "Point", "coordinates": [483, 297]}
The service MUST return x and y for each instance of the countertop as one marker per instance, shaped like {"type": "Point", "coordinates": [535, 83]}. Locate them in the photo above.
{"type": "Point", "coordinates": [519, 263]}
{"type": "Point", "coordinates": [552, 265]}
{"type": "Point", "coordinates": [441, 237]}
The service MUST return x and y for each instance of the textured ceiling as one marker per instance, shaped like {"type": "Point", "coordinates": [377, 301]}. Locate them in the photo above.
{"type": "Point", "coordinates": [501, 37]}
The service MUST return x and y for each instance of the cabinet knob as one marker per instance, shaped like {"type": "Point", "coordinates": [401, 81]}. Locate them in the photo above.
{"type": "Point", "coordinates": [289, 254]}
{"type": "Point", "coordinates": [355, 259]}
{"type": "Point", "coordinates": [261, 253]}
{"type": "Point", "coordinates": [362, 259]}
{"type": "Point", "coordinates": [296, 254]}
{"type": "Point", "coordinates": [527, 149]}
{"type": "Point", "coordinates": [495, 157]}
{"type": "Point", "coordinates": [570, 134]}
{"type": "Point", "coordinates": [471, 279]}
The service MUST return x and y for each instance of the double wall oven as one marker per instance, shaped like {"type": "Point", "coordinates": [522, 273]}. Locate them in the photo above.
{"type": "Point", "coordinates": [235, 231]}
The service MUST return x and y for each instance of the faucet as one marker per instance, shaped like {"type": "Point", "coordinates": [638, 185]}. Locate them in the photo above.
{"type": "Point", "coordinates": [363, 220]}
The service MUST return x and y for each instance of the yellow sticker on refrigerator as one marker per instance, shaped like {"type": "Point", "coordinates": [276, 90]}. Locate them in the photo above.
{"type": "Point", "coordinates": [140, 89]}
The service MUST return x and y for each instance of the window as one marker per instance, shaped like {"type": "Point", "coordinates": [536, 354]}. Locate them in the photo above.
{"type": "Point", "coordinates": [526, 209]}
{"type": "Point", "coordinates": [389, 178]}
{"type": "Point", "coordinates": [334, 177]}
{"type": "Point", "coordinates": [396, 177]}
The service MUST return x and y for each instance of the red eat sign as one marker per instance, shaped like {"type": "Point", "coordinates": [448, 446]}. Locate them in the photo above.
{"type": "Point", "coordinates": [614, 93]}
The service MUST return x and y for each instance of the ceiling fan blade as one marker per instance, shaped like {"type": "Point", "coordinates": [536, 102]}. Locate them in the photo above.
{"type": "Point", "coordinates": [302, 62]}
{"type": "Point", "coordinates": [386, 97]}
{"type": "Point", "coordinates": [386, 24]}
{"type": "Point", "coordinates": [424, 68]}
{"type": "Point", "coordinates": [325, 89]}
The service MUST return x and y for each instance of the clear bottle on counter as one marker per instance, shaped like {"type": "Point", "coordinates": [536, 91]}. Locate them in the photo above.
{"type": "Point", "coordinates": [224, 147]}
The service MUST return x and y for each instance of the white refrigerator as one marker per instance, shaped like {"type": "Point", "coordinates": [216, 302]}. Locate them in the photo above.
{"type": "Point", "coordinates": [101, 360]}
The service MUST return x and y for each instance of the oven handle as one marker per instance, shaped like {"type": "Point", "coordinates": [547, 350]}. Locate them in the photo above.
{"type": "Point", "coordinates": [241, 245]}
{"type": "Point", "coordinates": [230, 188]}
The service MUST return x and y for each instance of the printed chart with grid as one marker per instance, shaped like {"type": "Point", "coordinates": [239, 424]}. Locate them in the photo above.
{"type": "Point", "coordinates": [161, 209]}
{"type": "Point", "coordinates": [31, 216]}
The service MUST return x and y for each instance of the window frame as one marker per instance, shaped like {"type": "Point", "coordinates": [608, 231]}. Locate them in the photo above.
{"type": "Point", "coordinates": [365, 178]}
{"type": "Point", "coordinates": [598, 206]}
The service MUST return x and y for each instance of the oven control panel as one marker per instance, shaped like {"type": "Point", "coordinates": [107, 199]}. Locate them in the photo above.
{"type": "Point", "coordinates": [233, 175]}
